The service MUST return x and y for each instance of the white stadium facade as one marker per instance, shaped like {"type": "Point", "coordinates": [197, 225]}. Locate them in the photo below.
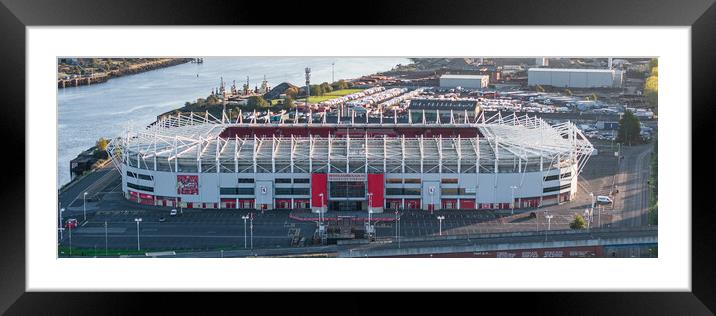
{"type": "Point", "coordinates": [456, 162]}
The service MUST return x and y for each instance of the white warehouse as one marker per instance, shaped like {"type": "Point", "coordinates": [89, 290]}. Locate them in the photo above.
{"type": "Point", "coordinates": [464, 81]}
{"type": "Point", "coordinates": [575, 78]}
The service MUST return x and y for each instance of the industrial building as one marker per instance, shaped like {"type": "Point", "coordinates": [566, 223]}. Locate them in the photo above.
{"type": "Point", "coordinates": [464, 81]}
{"type": "Point", "coordinates": [575, 78]}
{"type": "Point", "coordinates": [199, 161]}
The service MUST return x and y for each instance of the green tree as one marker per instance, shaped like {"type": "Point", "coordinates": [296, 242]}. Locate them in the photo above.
{"type": "Point", "coordinates": [339, 85]}
{"type": "Point", "coordinates": [288, 102]}
{"type": "Point", "coordinates": [568, 92]}
{"type": "Point", "coordinates": [316, 90]}
{"type": "Point", "coordinates": [326, 88]}
{"type": "Point", "coordinates": [539, 88]}
{"type": "Point", "coordinates": [102, 143]}
{"type": "Point", "coordinates": [257, 103]}
{"type": "Point", "coordinates": [629, 129]}
{"type": "Point", "coordinates": [212, 100]}
{"type": "Point", "coordinates": [578, 222]}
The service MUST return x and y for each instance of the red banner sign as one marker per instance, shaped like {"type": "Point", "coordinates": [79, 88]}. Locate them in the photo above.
{"type": "Point", "coordinates": [187, 184]}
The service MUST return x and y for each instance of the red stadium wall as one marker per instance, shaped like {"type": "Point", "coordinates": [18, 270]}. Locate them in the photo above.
{"type": "Point", "coordinates": [375, 188]}
{"type": "Point", "coordinates": [319, 184]}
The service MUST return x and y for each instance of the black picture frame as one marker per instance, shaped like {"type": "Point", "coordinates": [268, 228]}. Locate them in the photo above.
{"type": "Point", "coordinates": [15, 15]}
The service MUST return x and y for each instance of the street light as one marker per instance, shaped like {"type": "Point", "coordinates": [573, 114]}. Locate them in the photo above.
{"type": "Point", "coordinates": [70, 227]}
{"type": "Point", "coordinates": [440, 219]}
{"type": "Point", "coordinates": [245, 217]}
{"type": "Point", "coordinates": [432, 202]}
{"type": "Point", "coordinates": [251, 228]}
{"type": "Point", "coordinates": [370, 227]}
{"type": "Point", "coordinates": [320, 216]}
{"type": "Point", "coordinates": [84, 205]}
{"type": "Point", "coordinates": [549, 219]}
{"type": "Point", "coordinates": [512, 202]}
{"type": "Point", "coordinates": [138, 220]}
{"type": "Point", "coordinates": [61, 228]}
{"type": "Point", "coordinates": [397, 228]}
{"type": "Point", "coordinates": [105, 238]}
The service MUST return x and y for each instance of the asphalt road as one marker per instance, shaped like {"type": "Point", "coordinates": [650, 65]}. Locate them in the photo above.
{"type": "Point", "coordinates": [632, 201]}
{"type": "Point", "coordinates": [331, 250]}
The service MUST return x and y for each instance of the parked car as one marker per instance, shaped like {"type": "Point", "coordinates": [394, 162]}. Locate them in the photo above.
{"type": "Point", "coordinates": [603, 199]}
{"type": "Point", "coordinates": [162, 219]}
{"type": "Point", "coordinates": [173, 212]}
{"type": "Point", "coordinates": [71, 223]}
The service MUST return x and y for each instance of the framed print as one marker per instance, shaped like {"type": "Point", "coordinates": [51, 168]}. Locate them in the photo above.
{"type": "Point", "coordinates": [417, 152]}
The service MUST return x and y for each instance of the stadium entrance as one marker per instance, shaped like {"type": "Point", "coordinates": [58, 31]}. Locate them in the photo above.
{"type": "Point", "coordinates": [346, 205]}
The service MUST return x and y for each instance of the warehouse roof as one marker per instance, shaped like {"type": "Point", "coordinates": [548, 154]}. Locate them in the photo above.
{"type": "Point", "coordinates": [570, 70]}
{"type": "Point", "coordinates": [463, 76]}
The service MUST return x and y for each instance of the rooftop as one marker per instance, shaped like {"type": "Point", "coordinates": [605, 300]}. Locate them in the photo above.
{"type": "Point", "coordinates": [464, 76]}
{"type": "Point", "coordinates": [571, 70]}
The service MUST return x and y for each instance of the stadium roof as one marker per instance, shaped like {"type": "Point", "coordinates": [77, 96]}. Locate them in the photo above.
{"type": "Point", "coordinates": [190, 139]}
{"type": "Point", "coordinates": [438, 104]}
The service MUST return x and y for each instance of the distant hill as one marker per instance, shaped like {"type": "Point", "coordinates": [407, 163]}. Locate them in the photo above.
{"type": "Point", "coordinates": [278, 90]}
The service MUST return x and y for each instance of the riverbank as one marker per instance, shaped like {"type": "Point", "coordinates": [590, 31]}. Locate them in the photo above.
{"type": "Point", "coordinates": [71, 74]}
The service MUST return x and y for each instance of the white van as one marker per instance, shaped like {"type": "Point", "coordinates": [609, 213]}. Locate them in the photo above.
{"type": "Point", "coordinates": [603, 199]}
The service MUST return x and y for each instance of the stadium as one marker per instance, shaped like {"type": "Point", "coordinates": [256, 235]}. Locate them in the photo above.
{"type": "Point", "coordinates": [321, 162]}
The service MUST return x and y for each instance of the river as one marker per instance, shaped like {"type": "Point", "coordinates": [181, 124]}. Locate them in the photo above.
{"type": "Point", "coordinates": [87, 113]}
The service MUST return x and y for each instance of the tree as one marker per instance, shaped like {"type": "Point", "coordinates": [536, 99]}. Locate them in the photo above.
{"type": "Point", "coordinates": [651, 88]}
{"type": "Point", "coordinates": [316, 90]}
{"type": "Point", "coordinates": [539, 88]}
{"type": "Point", "coordinates": [629, 129]}
{"type": "Point", "coordinates": [256, 103]}
{"type": "Point", "coordinates": [578, 222]}
{"type": "Point", "coordinates": [568, 92]}
{"type": "Point", "coordinates": [100, 150]}
{"type": "Point", "coordinates": [288, 102]}
{"type": "Point", "coordinates": [212, 100]}
{"type": "Point", "coordinates": [102, 143]}
{"type": "Point", "coordinates": [326, 88]}
{"type": "Point", "coordinates": [292, 92]}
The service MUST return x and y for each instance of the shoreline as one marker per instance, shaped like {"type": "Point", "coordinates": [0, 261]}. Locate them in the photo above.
{"type": "Point", "coordinates": [131, 70]}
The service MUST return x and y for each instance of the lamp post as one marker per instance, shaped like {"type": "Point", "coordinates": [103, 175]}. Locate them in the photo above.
{"type": "Point", "coordinates": [61, 228]}
{"type": "Point", "coordinates": [588, 217]}
{"type": "Point", "coordinates": [105, 239]}
{"type": "Point", "coordinates": [370, 227]}
{"type": "Point", "coordinates": [549, 219]}
{"type": "Point", "coordinates": [397, 228]}
{"type": "Point", "coordinates": [84, 205]}
{"type": "Point", "coordinates": [70, 228]}
{"type": "Point", "coordinates": [320, 216]}
{"type": "Point", "coordinates": [138, 220]}
{"type": "Point", "coordinates": [440, 225]}
{"type": "Point", "coordinates": [432, 200]}
{"type": "Point", "coordinates": [245, 217]}
{"type": "Point", "coordinates": [512, 202]}
{"type": "Point", "coordinates": [251, 228]}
